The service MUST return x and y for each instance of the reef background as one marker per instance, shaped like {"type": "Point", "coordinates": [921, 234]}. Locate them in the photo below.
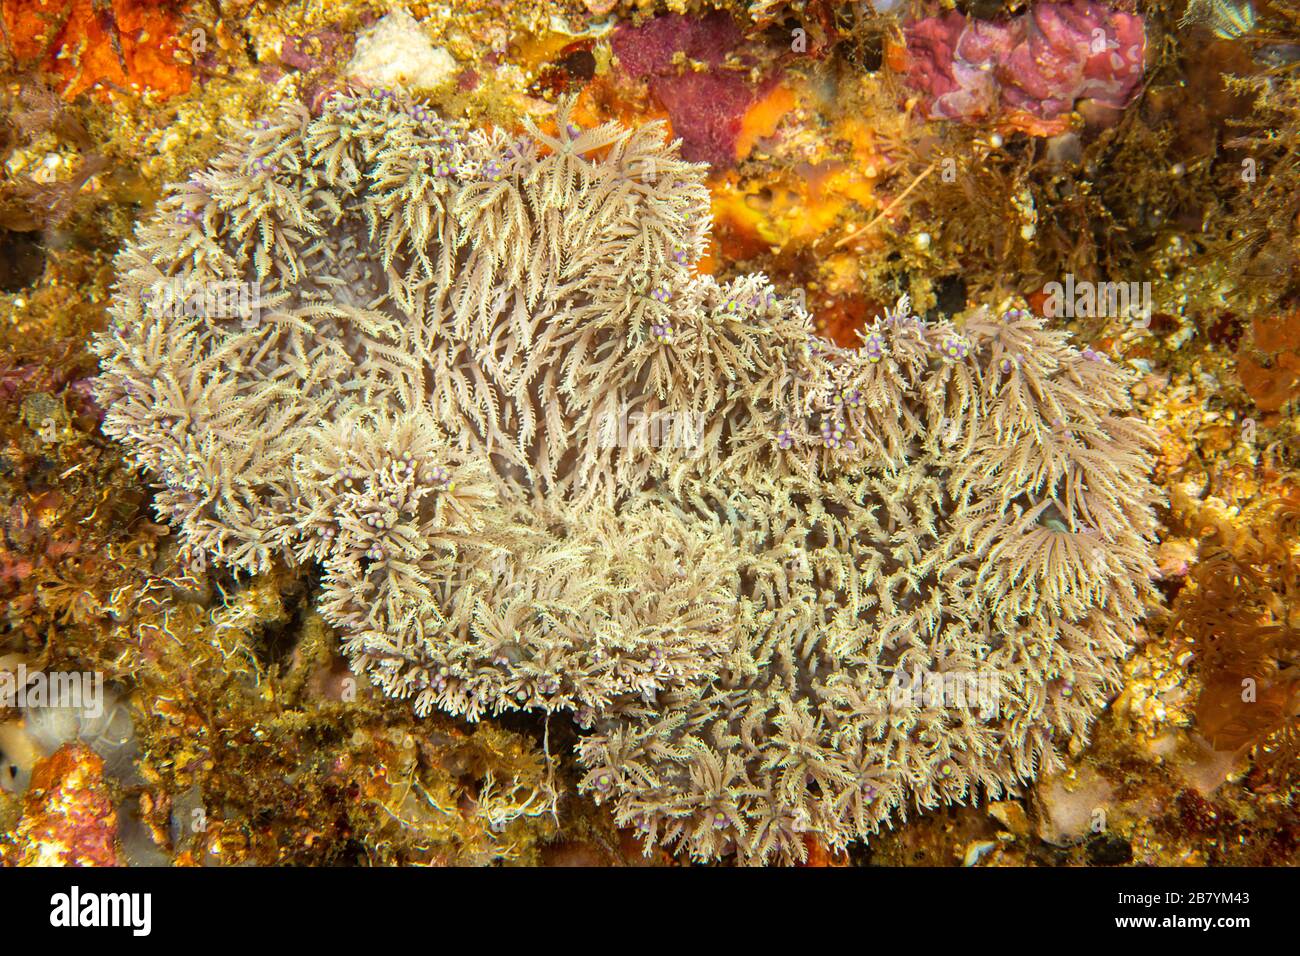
{"type": "Point", "coordinates": [248, 740]}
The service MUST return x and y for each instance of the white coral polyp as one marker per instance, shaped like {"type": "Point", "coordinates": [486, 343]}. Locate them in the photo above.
{"type": "Point", "coordinates": [545, 464]}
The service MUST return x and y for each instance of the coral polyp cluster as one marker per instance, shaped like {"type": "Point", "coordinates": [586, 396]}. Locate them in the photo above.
{"type": "Point", "coordinates": [785, 589]}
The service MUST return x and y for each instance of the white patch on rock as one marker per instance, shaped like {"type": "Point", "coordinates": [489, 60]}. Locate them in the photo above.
{"type": "Point", "coordinates": [1069, 813]}
{"type": "Point", "coordinates": [396, 52]}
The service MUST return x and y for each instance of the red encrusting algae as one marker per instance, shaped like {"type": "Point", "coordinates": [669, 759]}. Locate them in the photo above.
{"type": "Point", "coordinates": [126, 46]}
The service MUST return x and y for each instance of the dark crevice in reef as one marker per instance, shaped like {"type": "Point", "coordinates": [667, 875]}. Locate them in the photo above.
{"type": "Point", "coordinates": [281, 636]}
{"type": "Point", "coordinates": [951, 296]}
{"type": "Point", "coordinates": [22, 259]}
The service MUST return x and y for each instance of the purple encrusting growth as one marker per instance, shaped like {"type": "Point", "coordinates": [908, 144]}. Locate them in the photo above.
{"type": "Point", "coordinates": [706, 108]}
{"type": "Point", "coordinates": [318, 50]}
{"type": "Point", "coordinates": [1035, 66]}
{"type": "Point", "coordinates": [650, 48]}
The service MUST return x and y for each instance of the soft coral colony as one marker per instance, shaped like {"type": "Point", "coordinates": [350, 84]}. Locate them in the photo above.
{"type": "Point", "coordinates": [451, 400]}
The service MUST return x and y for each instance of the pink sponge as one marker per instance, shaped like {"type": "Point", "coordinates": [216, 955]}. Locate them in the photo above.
{"type": "Point", "coordinates": [1038, 64]}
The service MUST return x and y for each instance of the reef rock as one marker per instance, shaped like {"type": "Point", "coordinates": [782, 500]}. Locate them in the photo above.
{"type": "Point", "coordinates": [69, 817]}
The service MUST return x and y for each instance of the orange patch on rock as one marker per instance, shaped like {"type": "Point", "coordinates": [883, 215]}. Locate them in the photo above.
{"type": "Point", "coordinates": [762, 118]}
{"type": "Point", "coordinates": [844, 317]}
{"type": "Point", "coordinates": [785, 212]}
{"type": "Point", "coordinates": [74, 41]}
{"type": "Point", "coordinates": [895, 53]}
{"type": "Point", "coordinates": [533, 51]}
{"type": "Point", "coordinates": [820, 856]}
{"type": "Point", "coordinates": [1272, 379]}
{"type": "Point", "coordinates": [1019, 120]}
{"type": "Point", "coordinates": [1037, 301]}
